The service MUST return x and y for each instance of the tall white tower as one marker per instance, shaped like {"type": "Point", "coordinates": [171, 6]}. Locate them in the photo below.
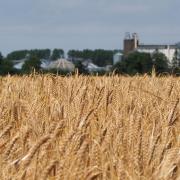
{"type": "Point", "coordinates": [136, 40]}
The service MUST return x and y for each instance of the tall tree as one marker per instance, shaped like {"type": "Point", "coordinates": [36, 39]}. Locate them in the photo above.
{"type": "Point", "coordinates": [41, 53]}
{"type": "Point", "coordinates": [33, 63]}
{"type": "Point", "coordinates": [176, 60]}
{"type": "Point", "coordinates": [99, 57]}
{"type": "Point", "coordinates": [80, 67]}
{"type": "Point", "coordinates": [6, 67]}
{"type": "Point", "coordinates": [134, 63]}
{"type": "Point", "coordinates": [57, 53]}
{"type": "Point", "coordinates": [17, 55]}
{"type": "Point", "coordinates": [1, 56]}
{"type": "Point", "coordinates": [160, 62]}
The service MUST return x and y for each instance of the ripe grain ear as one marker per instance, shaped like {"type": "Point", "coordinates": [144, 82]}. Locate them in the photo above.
{"type": "Point", "coordinates": [89, 127]}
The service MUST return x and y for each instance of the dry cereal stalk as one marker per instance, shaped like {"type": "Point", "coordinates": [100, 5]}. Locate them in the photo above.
{"type": "Point", "coordinates": [27, 159]}
{"type": "Point", "coordinates": [89, 127]}
{"type": "Point", "coordinates": [48, 169]}
{"type": "Point", "coordinates": [6, 130]}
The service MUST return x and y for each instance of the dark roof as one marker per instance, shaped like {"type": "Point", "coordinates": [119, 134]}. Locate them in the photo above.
{"type": "Point", "coordinates": [141, 46]}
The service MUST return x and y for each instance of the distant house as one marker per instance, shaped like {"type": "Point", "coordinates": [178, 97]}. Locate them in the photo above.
{"type": "Point", "coordinates": [91, 68]}
{"type": "Point", "coordinates": [17, 64]}
{"type": "Point", "coordinates": [94, 68]}
{"type": "Point", "coordinates": [131, 43]}
{"type": "Point", "coordinates": [86, 62]}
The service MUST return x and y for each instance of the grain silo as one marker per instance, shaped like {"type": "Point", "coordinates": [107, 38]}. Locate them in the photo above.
{"type": "Point", "coordinates": [130, 43]}
{"type": "Point", "coordinates": [117, 57]}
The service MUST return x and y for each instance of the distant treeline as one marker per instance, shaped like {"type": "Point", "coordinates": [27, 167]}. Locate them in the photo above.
{"type": "Point", "coordinates": [99, 57]}
{"type": "Point", "coordinates": [32, 59]}
{"type": "Point", "coordinates": [134, 63]}
{"type": "Point", "coordinates": [144, 63]}
{"type": "Point", "coordinates": [39, 53]}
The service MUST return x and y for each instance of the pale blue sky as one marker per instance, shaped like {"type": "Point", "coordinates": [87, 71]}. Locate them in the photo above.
{"type": "Point", "coordinates": [80, 24]}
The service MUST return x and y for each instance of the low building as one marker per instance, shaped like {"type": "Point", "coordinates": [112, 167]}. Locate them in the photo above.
{"type": "Point", "coordinates": [60, 64]}
{"type": "Point", "coordinates": [17, 64]}
{"type": "Point", "coordinates": [94, 68]}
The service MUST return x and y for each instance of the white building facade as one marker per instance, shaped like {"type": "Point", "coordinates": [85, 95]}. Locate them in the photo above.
{"type": "Point", "coordinates": [168, 50]}
{"type": "Point", "coordinates": [131, 44]}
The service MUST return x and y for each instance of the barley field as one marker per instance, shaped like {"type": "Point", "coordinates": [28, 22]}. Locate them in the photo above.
{"type": "Point", "coordinates": [88, 128]}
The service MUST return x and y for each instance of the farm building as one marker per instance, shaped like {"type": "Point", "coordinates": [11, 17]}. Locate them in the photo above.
{"type": "Point", "coordinates": [131, 43]}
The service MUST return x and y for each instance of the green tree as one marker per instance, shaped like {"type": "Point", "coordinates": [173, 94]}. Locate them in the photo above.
{"type": "Point", "coordinates": [33, 63]}
{"type": "Point", "coordinates": [80, 67]}
{"type": "Point", "coordinates": [160, 62]}
{"type": "Point", "coordinates": [99, 57]}
{"type": "Point", "coordinates": [6, 67]}
{"type": "Point", "coordinates": [176, 63]}
{"type": "Point", "coordinates": [75, 54]}
{"type": "Point", "coordinates": [1, 57]}
{"type": "Point", "coordinates": [176, 60]}
{"type": "Point", "coordinates": [17, 55]}
{"type": "Point", "coordinates": [40, 53]}
{"type": "Point", "coordinates": [57, 53]}
{"type": "Point", "coordinates": [134, 63]}
{"type": "Point", "coordinates": [102, 57]}
{"type": "Point", "coordinates": [120, 67]}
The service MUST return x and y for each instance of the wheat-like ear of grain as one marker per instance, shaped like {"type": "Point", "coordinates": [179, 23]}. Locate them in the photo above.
{"type": "Point", "coordinates": [48, 169]}
{"type": "Point", "coordinates": [171, 115]}
{"type": "Point", "coordinates": [6, 130]}
{"type": "Point", "coordinates": [89, 127]}
{"type": "Point", "coordinates": [11, 145]}
{"type": "Point", "coordinates": [27, 159]}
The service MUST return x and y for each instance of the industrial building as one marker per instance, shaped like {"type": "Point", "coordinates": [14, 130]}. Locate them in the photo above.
{"type": "Point", "coordinates": [132, 43]}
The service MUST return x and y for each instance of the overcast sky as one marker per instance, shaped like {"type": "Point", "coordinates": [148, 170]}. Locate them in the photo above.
{"type": "Point", "coordinates": [80, 24]}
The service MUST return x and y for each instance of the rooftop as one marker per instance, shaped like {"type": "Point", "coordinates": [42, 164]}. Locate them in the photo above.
{"type": "Point", "coordinates": [142, 46]}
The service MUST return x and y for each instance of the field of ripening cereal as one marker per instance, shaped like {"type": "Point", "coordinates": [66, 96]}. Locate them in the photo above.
{"type": "Point", "coordinates": [77, 127]}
